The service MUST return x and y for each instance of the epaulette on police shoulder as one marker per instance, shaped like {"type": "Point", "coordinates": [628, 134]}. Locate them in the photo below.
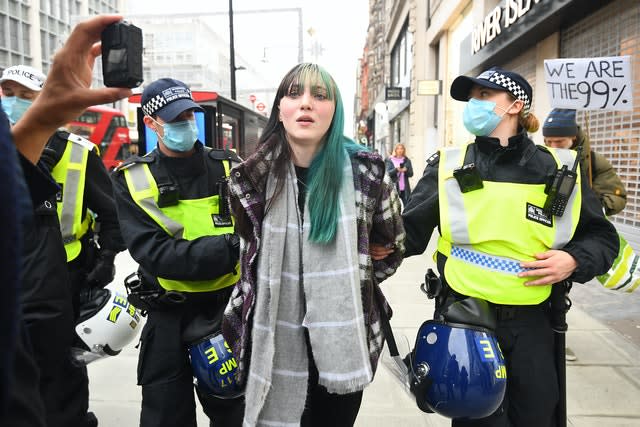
{"type": "Point", "coordinates": [147, 158]}
{"type": "Point", "coordinates": [81, 141]}
{"type": "Point", "coordinates": [433, 159]}
{"type": "Point", "coordinates": [222, 154]}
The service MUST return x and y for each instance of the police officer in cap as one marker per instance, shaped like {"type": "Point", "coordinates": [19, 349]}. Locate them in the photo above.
{"type": "Point", "coordinates": [175, 222]}
{"type": "Point", "coordinates": [84, 205]}
{"type": "Point", "coordinates": [499, 243]}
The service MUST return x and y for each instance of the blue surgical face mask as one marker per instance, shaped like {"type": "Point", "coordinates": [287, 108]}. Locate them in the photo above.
{"type": "Point", "coordinates": [180, 136]}
{"type": "Point", "coordinates": [480, 118]}
{"type": "Point", "coordinates": [15, 107]}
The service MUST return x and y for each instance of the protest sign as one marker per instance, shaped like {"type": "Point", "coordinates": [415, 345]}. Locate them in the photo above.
{"type": "Point", "coordinates": [590, 83]}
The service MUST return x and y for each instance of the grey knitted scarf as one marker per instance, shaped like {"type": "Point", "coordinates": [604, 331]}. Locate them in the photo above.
{"type": "Point", "coordinates": [305, 285]}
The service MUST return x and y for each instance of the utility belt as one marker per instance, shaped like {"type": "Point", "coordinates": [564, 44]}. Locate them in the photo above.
{"type": "Point", "coordinates": [555, 307]}
{"type": "Point", "coordinates": [151, 297]}
{"type": "Point", "coordinates": [521, 312]}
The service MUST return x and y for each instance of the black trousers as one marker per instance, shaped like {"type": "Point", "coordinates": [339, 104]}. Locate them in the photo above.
{"type": "Point", "coordinates": [24, 404]}
{"type": "Point", "coordinates": [49, 321]}
{"type": "Point", "coordinates": [165, 374]}
{"type": "Point", "coordinates": [527, 342]}
{"type": "Point", "coordinates": [323, 409]}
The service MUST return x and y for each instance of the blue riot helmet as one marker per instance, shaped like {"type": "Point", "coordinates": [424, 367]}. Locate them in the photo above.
{"type": "Point", "coordinates": [212, 362]}
{"type": "Point", "coordinates": [457, 368]}
{"type": "Point", "coordinates": [214, 367]}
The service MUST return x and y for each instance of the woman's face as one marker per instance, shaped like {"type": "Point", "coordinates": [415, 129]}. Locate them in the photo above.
{"type": "Point", "coordinates": [400, 151]}
{"type": "Point", "coordinates": [306, 113]}
{"type": "Point", "coordinates": [502, 98]}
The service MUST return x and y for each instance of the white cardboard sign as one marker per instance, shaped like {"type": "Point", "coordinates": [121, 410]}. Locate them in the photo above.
{"type": "Point", "coordinates": [590, 83]}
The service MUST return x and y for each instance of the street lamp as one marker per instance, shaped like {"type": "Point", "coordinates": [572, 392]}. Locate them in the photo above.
{"type": "Point", "coordinates": [232, 53]}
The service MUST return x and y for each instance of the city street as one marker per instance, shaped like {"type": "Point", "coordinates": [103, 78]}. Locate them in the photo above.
{"type": "Point", "coordinates": [602, 384]}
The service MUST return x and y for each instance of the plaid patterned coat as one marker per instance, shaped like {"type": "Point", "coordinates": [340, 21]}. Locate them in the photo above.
{"type": "Point", "coordinates": [378, 217]}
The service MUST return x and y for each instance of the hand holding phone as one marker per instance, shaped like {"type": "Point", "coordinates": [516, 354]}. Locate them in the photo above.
{"type": "Point", "coordinates": [122, 55]}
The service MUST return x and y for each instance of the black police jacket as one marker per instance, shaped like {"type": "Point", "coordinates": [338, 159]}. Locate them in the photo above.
{"type": "Point", "coordinates": [595, 242]}
{"type": "Point", "coordinates": [158, 253]}
{"type": "Point", "coordinates": [98, 197]}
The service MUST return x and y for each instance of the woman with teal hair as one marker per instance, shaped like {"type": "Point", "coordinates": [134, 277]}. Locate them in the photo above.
{"type": "Point", "coordinates": [304, 320]}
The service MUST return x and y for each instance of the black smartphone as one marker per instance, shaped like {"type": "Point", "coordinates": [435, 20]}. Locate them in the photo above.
{"type": "Point", "coordinates": [122, 55]}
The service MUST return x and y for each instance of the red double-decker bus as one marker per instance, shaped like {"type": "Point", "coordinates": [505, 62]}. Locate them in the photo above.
{"type": "Point", "coordinates": [107, 128]}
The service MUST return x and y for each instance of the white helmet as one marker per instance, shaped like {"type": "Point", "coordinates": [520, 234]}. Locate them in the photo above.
{"type": "Point", "coordinates": [106, 324]}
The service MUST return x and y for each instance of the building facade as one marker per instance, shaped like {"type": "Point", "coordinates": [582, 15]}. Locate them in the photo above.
{"type": "Point", "coordinates": [32, 30]}
{"type": "Point", "coordinates": [450, 38]}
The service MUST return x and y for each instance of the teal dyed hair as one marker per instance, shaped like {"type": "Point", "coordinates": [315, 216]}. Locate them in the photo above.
{"type": "Point", "coordinates": [327, 168]}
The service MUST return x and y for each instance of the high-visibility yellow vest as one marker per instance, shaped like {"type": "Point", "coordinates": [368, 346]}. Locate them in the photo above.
{"type": "Point", "coordinates": [188, 219]}
{"type": "Point", "coordinates": [70, 173]}
{"type": "Point", "coordinates": [486, 233]}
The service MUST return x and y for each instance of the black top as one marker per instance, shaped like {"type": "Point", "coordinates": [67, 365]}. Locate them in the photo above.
{"type": "Point", "coordinates": [595, 242]}
{"type": "Point", "coordinates": [158, 253]}
{"type": "Point", "coordinates": [301, 175]}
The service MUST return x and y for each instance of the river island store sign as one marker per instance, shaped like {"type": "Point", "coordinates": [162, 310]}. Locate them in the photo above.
{"type": "Point", "coordinates": [500, 17]}
{"type": "Point", "coordinates": [513, 26]}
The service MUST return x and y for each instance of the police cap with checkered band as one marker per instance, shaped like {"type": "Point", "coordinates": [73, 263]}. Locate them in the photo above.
{"type": "Point", "coordinates": [167, 98]}
{"type": "Point", "coordinates": [494, 78]}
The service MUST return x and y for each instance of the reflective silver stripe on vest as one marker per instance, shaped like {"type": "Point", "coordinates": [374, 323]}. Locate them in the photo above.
{"type": "Point", "coordinates": [564, 223]}
{"type": "Point", "coordinates": [140, 182]}
{"type": "Point", "coordinates": [70, 194]}
{"type": "Point", "coordinates": [488, 262]}
{"type": "Point", "coordinates": [457, 213]}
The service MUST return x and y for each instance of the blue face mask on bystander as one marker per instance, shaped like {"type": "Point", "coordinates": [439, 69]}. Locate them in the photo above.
{"type": "Point", "coordinates": [15, 107]}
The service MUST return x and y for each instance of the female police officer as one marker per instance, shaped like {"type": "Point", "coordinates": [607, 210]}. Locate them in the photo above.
{"type": "Point", "coordinates": [501, 241]}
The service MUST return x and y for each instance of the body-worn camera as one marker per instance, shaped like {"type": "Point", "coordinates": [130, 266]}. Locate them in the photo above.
{"type": "Point", "coordinates": [168, 195]}
{"type": "Point", "coordinates": [468, 178]}
{"type": "Point", "coordinates": [122, 55]}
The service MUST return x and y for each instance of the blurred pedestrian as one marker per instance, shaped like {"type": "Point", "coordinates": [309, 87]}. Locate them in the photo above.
{"type": "Point", "coordinates": [497, 242]}
{"type": "Point", "coordinates": [400, 170]}
{"type": "Point", "coordinates": [304, 321]}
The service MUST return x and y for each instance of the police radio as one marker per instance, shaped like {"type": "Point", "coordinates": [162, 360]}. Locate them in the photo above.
{"type": "Point", "coordinates": [561, 188]}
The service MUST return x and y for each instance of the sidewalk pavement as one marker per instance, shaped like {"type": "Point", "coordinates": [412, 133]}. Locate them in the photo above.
{"type": "Point", "coordinates": [603, 385]}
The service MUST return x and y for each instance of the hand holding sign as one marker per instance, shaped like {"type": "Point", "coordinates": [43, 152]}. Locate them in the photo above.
{"type": "Point", "coordinates": [590, 83]}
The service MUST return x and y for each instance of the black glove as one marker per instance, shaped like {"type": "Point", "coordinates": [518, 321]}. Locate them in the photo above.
{"type": "Point", "coordinates": [104, 269]}
{"type": "Point", "coordinates": [233, 241]}
{"type": "Point", "coordinates": [49, 158]}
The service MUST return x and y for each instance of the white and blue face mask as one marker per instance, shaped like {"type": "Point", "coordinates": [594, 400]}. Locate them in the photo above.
{"type": "Point", "coordinates": [480, 118]}
{"type": "Point", "coordinates": [15, 107]}
{"type": "Point", "coordinates": [179, 136]}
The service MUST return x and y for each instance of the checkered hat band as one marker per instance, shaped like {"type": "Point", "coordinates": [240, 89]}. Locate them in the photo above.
{"type": "Point", "coordinates": [154, 104]}
{"type": "Point", "coordinates": [513, 87]}
{"type": "Point", "coordinates": [489, 262]}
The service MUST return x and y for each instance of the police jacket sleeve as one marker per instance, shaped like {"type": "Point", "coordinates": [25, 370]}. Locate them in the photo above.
{"type": "Point", "coordinates": [421, 215]}
{"type": "Point", "coordinates": [99, 197]}
{"type": "Point", "coordinates": [595, 242]}
{"type": "Point", "coordinates": [160, 254]}
{"type": "Point", "coordinates": [409, 167]}
{"type": "Point", "coordinates": [387, 228]}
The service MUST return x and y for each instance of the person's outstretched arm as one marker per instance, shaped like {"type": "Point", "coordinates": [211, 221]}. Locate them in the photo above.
{"type": "Point", "coordinates": [67, 91]}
